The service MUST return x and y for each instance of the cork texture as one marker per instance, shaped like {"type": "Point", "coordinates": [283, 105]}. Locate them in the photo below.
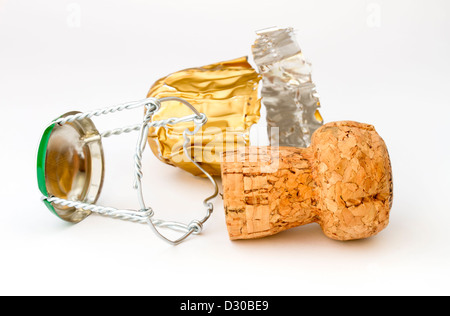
{"type": "Point", "coordinates": [343, 181]}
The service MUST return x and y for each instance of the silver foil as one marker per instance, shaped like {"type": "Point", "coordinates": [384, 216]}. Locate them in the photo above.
{"type": "Point", "coordinates": [288, 92]}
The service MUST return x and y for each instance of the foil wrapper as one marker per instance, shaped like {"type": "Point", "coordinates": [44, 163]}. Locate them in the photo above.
{"type": "Point", "coordinates": [227, 92]}
{"type": "Point", "coordinates": [288, 92]}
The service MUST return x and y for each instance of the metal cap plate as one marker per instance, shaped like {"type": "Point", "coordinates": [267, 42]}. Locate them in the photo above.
{"type": "Point", "coordinates": [70, 166]}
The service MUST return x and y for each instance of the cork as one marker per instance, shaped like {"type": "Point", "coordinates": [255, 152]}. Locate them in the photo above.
{"type": "Point", "coordinates": [342, 181]}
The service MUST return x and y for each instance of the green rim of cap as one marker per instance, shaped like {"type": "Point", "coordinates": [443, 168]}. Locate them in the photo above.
{"type": "Point", "coordinates": [41, 157]}
{"type": "Point", "coordinates": [93, 172]}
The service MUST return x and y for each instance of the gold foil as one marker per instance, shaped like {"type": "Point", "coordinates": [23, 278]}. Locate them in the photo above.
{"type": "Point", "coordinates": [227, 92]}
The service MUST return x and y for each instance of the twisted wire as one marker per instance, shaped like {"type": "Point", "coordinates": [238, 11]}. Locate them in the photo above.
{"type": "Point", "coordinates": [141, 142]}
{"type": "Point", "coordinates": [141, 217]}
{"type": "Point", "coordinates": [128, 215]}
{"type": "Point", "coordinates": [107, 110]}
{"type": "Point", "coordinates": [172, 121]}
{"type": "Point", "coordinates": [122, 130]}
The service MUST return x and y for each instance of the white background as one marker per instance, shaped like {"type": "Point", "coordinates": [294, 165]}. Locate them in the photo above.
{"type": "Point", "coordinates": [380, 62]}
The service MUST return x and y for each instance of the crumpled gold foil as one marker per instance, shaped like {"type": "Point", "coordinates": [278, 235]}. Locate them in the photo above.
{"type": "Point", "coordinates": [227, 93]}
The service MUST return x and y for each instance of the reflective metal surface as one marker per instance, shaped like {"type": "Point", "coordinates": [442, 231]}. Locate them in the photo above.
{"type": "Point", "coordinates": [74, 166]}
{"type": "Point", "coordinates": [288, 92]}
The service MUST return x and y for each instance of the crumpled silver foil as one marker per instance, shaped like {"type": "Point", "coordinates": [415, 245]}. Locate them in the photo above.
{"type": "Point", "coordinates": [288, 92]}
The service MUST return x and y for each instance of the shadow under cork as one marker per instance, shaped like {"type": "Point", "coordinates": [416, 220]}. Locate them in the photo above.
{"type": "Point", "coordinates": [310, 235]}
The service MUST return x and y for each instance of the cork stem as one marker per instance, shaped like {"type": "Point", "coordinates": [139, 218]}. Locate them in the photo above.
{"type": "Point", "coordinates": [267, 190]}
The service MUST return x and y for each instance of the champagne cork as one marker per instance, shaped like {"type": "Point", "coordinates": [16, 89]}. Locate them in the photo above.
{"type": "Point", "coordinates": [342, 181]}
